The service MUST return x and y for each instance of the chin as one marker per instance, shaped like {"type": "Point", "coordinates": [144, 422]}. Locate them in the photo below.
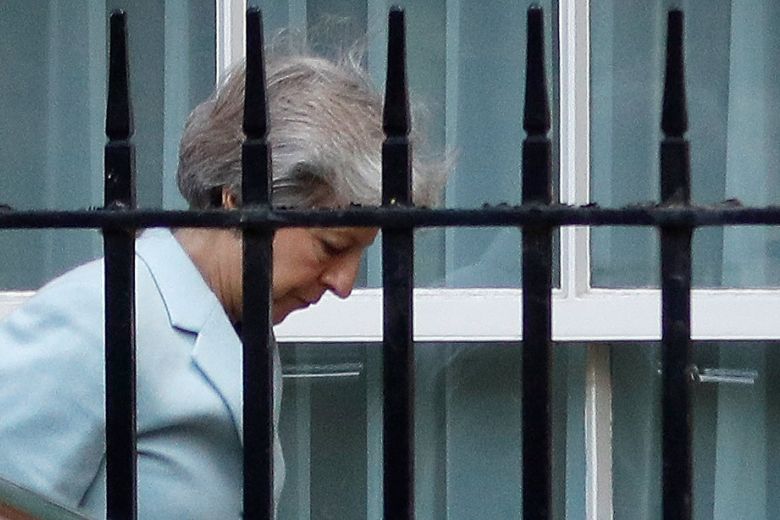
{"type": "Point", "coordinates": [278, 317]}
{"type": "Point", "coordinates": [281, 311]}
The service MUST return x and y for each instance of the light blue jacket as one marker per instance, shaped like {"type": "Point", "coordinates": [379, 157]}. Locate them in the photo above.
{"type": "Point", "coordinates": [188, 391]}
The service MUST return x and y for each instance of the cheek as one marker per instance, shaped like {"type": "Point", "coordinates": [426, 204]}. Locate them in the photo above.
{"type": "Point", "coordinates": [283, 273]}
{"type": "Point", "coordinates": [295, 271]}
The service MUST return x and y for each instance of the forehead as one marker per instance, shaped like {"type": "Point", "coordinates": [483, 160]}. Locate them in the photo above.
{"type": "Point", "coordinates": [363, 237]}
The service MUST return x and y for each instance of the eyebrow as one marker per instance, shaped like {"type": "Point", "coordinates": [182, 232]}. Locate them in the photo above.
{"type": "Point", "coordinates": [353, 240]}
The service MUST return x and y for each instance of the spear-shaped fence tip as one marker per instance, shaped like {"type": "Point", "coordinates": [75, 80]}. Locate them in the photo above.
{"type": "Point", "coordinates": [255, 105]}
{"type": "Point", "coordinates": [396, 120]}
{"type": "Point", "coordinates": [119, 120]}
{"type": "Point", "coordinates": [674, 120]}
{"type": "Point", "coordinates": [536, 119]}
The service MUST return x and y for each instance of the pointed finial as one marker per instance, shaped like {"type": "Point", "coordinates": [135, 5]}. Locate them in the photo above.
{"type": "Point", "coordinates": [119, 120]}
{"type": "Point", "coordinates": [255, 105]}
{"type": "Point", "coordinates": [674, 120]}
{"type": "Point", "coordinates": [396, 110]}
{"type": "Point", "coordinates": [536, 119]}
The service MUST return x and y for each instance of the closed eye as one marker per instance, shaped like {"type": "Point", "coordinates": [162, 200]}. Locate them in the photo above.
{"type": "Point", "coordinates": [332, 249]}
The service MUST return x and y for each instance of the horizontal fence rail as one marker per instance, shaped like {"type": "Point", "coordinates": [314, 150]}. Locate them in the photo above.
{"type": "Point", "coordinates": [494, 216]}
{"type": "Point", "coordinates": [538, 216]}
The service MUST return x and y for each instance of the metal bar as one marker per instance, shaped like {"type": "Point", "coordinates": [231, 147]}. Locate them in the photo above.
{"type": "Point", "coordinates": [676, 286]}
{"type": "Point", "coordinates": [398, 217]}
{"type": "Point", "coordinates": [324, 371]}
{"type": "Point", "coordinates": [257, 271]}
{"type": "Point", "coordinates": [397, 284]}
{"type": "Point", "coordinates": [119, 270]}
{"type": "Point", "coordinates": [537, 283]}
{"type": "Point", "coordinates": [734, 376]}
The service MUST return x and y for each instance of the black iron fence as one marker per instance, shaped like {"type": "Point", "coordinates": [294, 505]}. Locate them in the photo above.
{"type": "Point", "coordinates": [538, 216]}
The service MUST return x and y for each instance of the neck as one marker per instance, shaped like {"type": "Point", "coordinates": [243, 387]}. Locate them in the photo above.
{"type": "Point", "coordinates": [217, 255]}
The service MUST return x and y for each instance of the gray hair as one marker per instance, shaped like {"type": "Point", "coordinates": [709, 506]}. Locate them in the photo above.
{"type": "Point", "coordinates": [325, 133]}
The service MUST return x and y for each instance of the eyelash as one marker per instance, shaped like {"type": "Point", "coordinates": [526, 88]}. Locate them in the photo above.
{"type": "Point", "coordinates": [330, 249]}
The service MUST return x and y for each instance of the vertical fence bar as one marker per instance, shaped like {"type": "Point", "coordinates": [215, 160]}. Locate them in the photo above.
{"type": "Point", "coordinates": [397, 283]}
{"type": "Point", "coordinates": [537, 282]}
{"type": "Point", "coordinates": [119, 270]}
{"type": "Point", "coordinates": [676, 286]}
{"type": "Point", "coordinates": [257, 271]}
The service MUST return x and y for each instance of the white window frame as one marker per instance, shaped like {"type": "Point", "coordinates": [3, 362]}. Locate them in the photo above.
{"type": "Point", "coordinates": [231, 36]}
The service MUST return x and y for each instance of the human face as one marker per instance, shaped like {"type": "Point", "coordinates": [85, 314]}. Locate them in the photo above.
{"type": "Point", "coordinates": [308, 262]}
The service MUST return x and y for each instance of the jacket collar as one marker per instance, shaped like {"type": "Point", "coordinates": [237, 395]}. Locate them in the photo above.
{"type": "Point", "coordinates": [193, 307]}
{"type": "Point", "coordinates": [188, 300]}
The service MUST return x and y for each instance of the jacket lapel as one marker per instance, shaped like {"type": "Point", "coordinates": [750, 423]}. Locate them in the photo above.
{"type": "Point", "coordinates": [217, 354]}
{"type": "Point", "coordinates": [192, 307]}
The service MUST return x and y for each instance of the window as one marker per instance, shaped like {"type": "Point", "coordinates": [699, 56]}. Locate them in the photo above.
{"type": "Point", "coordinates": [53, 99]}
{"type": "Point", "coordinates": [466, 67]}
{"type": "Point", "coordinates": [729, 51]}
{"type": "Point", "coordinates": [606, 64]}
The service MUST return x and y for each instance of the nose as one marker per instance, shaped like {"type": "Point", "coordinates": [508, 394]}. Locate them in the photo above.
{"type": "Point", "coordinates": [340, 276]}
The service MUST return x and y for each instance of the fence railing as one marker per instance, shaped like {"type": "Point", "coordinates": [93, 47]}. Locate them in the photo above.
{"type": "Point", "coordinates": [538, 216]}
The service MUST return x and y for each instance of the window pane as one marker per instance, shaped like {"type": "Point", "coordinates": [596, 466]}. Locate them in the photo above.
{"type": "Point", "coordinates": [731, 56]}
{"type": "Point", "coordinates": [52, 97]}
{"type": "Point", "coordinates": [468, 431]}
{"type": "Point", "coordinates": [736, 425]}
{"type": "Point", "coordinates": [466, 69]}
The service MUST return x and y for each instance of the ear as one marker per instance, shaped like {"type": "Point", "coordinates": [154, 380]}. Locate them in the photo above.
{"type": "Point", "coordinates": [228, 199]}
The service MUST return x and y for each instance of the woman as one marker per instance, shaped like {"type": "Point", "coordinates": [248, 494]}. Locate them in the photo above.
{"type": "Point", "coordinates": [326, 138]}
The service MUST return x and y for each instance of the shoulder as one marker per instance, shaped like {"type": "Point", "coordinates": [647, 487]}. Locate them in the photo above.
{"type": "Point", "coordinates": [66, 308]}
{"type": "Point", "coordinates": [51, 361]}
